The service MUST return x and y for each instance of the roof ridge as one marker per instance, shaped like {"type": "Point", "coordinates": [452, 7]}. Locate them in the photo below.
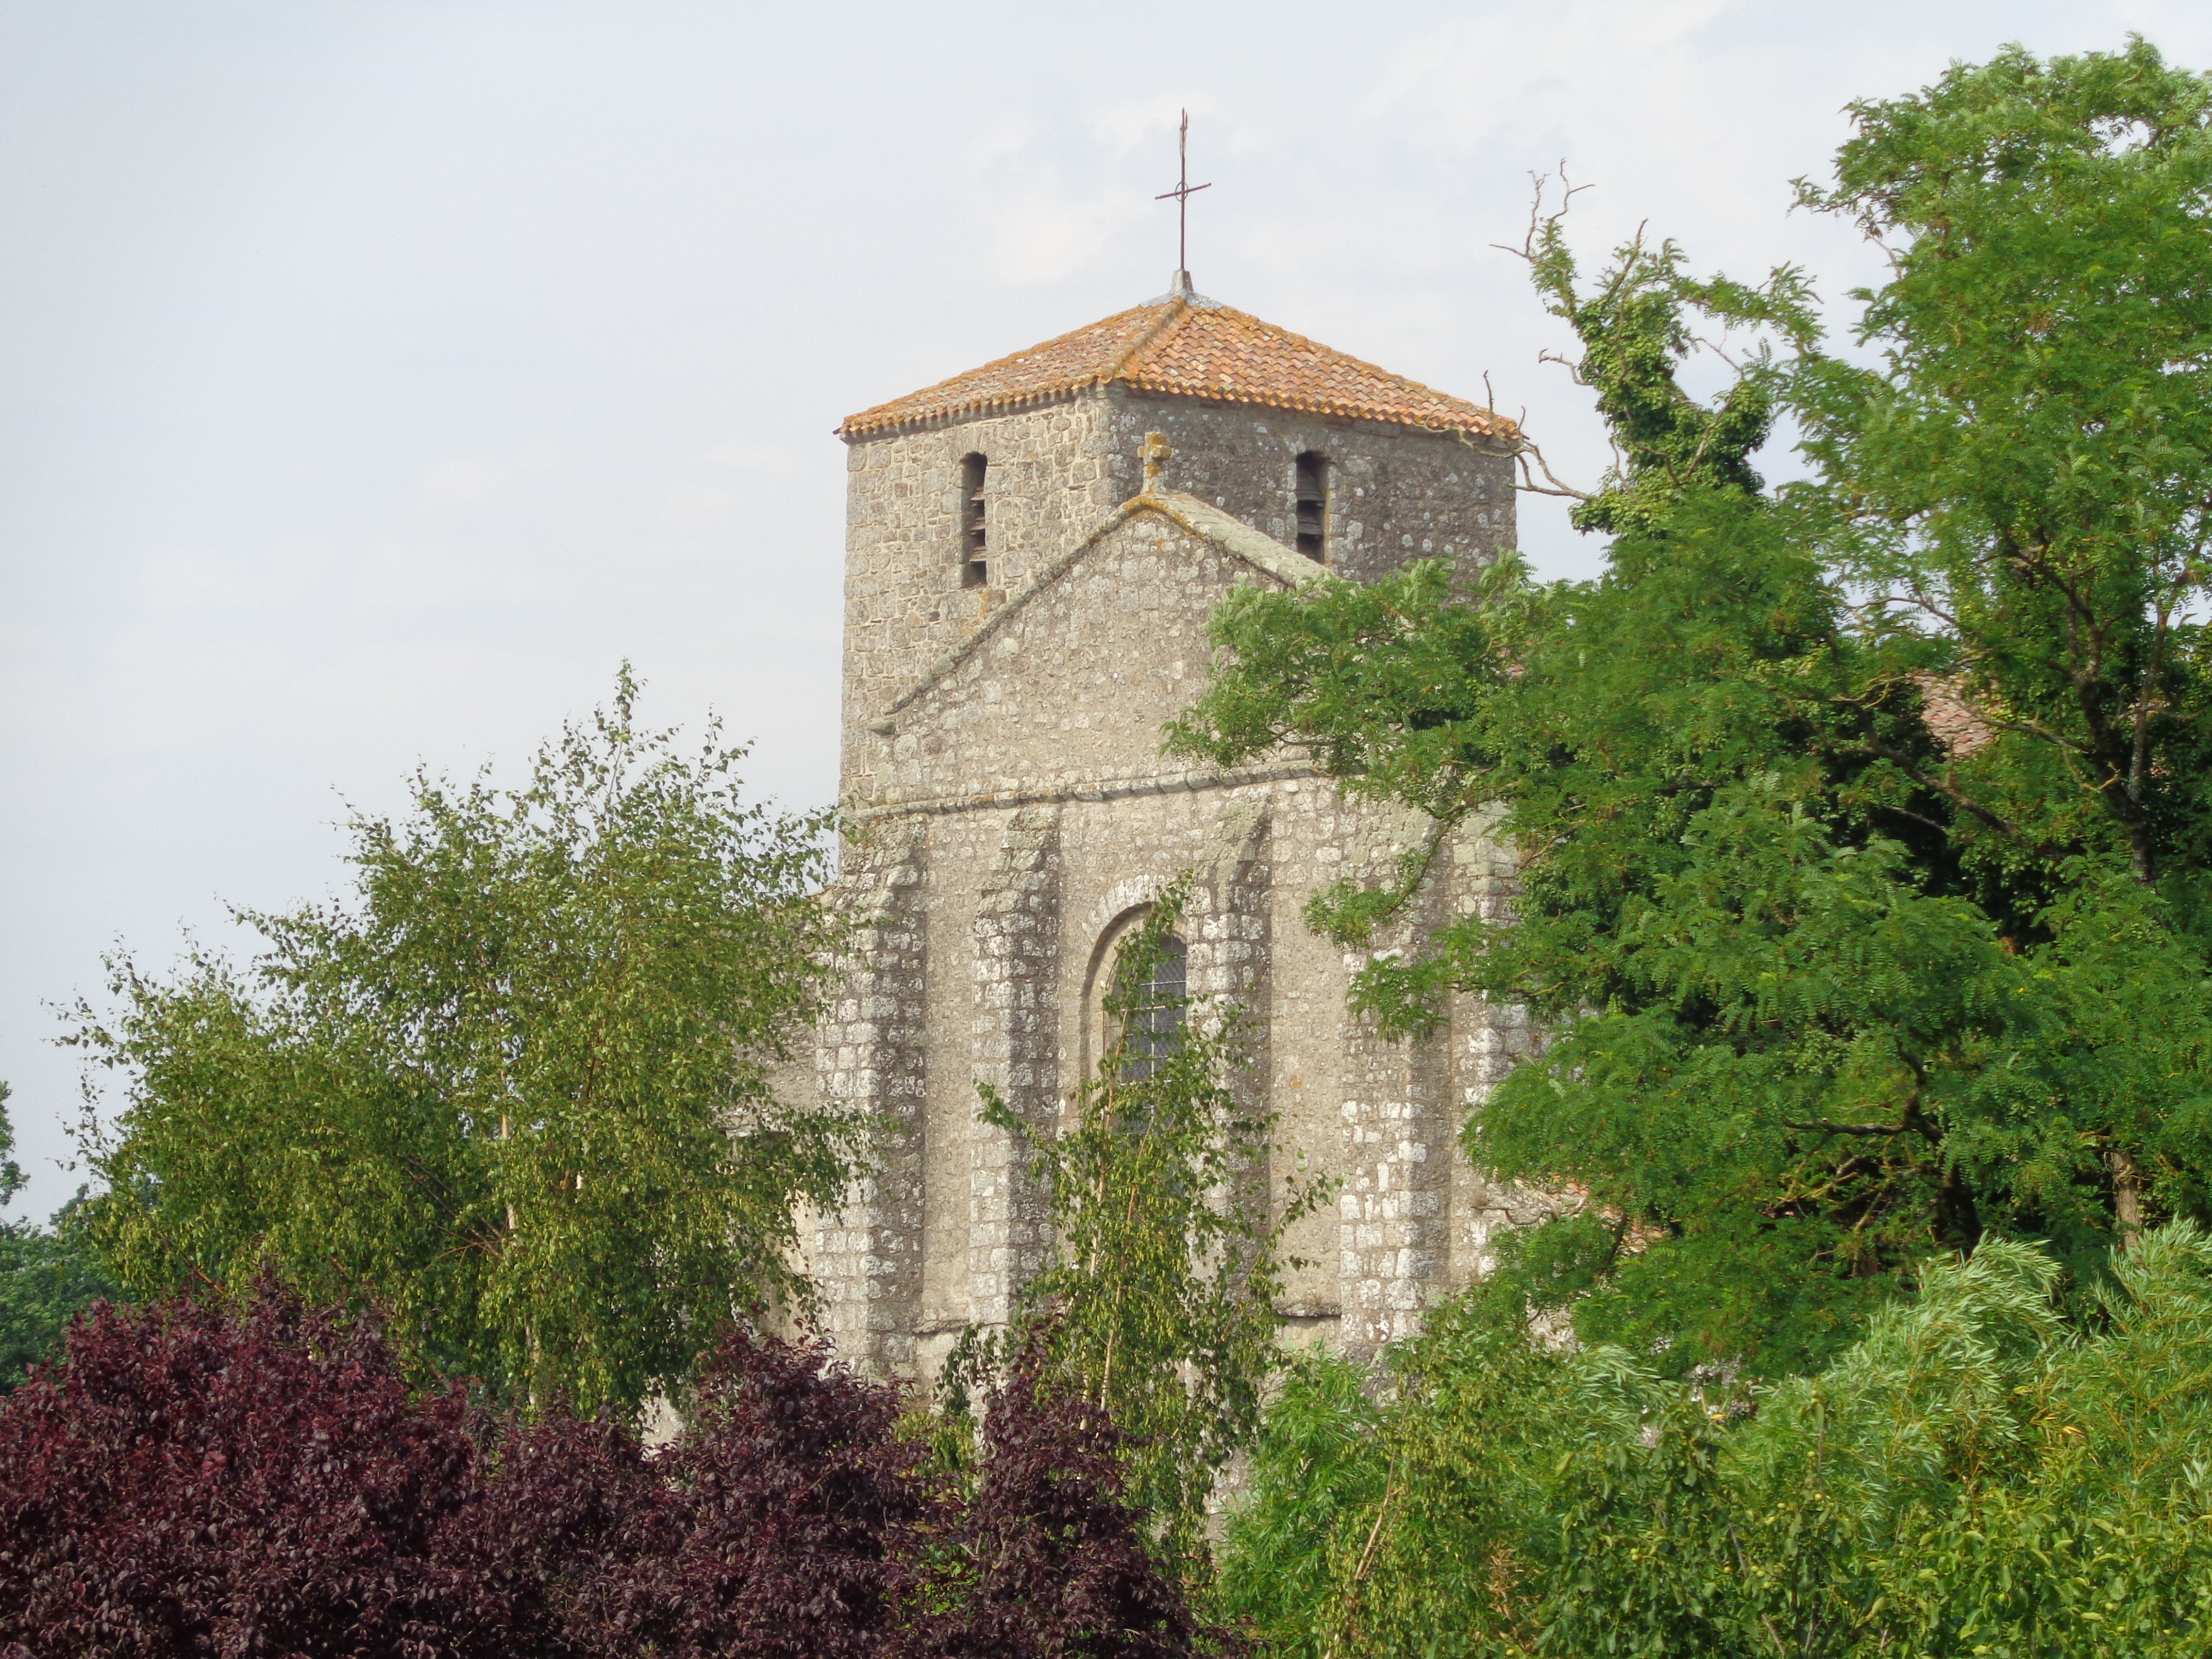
{"type": "Point", "coordinates": [1176, 310]}
{"type": "Point", "coordinates": [1357, 362]}
{"type": "Point", "coordinates": [1178, 347]}
{"type": "Point", "coordinates": [1246, 542]}
{"type": "Point", "coordinates": [1053, 571]}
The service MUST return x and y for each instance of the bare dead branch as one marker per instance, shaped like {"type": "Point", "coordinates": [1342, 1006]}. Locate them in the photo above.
{"type": "Point", "coordinates": [1718, 352]}
{"type": "Point", "coordinates": [1552, 485]}
{"type": "Point", "coordinates": [1538, 218]}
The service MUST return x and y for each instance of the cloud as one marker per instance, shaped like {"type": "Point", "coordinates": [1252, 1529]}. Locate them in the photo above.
{"type": "Point", "coordinates": [465, 480]}
{"type": "Point", "coordinates": [1151, 125]}
{"type": "Point", "coordinates": [742, 455]}
{"type": "Point", "coordinates": [1126, 126]}
{"type": "Point", "coordinates": [472, 478]}
{"type": "Point", "coordinates": [1039, 237]}
{"type": "Point", "coordinates": [1471, 82]}
{"type": "Point", "coordinates": [394, 576]}
{"type": "Point", "coordinates": [237, 581]}
{"type": "Point", "coordinates": [1041, 228]}
{"type": "Point", "coordinates": [1002, 142]}
{"type": "Point", "coordinates": [498, 696]}
{"type": "Point", "coordinates": [701, 509]}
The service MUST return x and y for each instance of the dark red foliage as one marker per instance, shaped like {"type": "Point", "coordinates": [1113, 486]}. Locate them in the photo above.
{"type": "Point", "coordinates": [190, 1480]}
{"type": "Point", "coordinates": [788, 1523]}
{"type": "Point", "coordinates": [185, 1482]}
{"type": "Point", "coordinates": [1059, 1563]}
{"type": "Point", "coordinates": [558, 1529]}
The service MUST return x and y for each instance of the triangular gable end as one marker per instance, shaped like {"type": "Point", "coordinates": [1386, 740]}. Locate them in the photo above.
{"type": "Point", "coordinates": [1206, 522]}
{"type": "Point", "coordinates": [1063, 692]}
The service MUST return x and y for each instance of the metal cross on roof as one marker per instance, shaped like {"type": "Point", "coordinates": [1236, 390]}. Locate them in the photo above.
{"type": "Point", "coordinates": [1182, 193]}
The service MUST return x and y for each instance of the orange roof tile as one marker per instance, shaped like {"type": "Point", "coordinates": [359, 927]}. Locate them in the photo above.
{"type": "Point", "coordinates": [1946, 706]}
{"type": "Point", "coordinates": [1188, 349]}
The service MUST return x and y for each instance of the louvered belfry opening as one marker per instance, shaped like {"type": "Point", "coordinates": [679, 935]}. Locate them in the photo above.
{"type": "Point", "coordinates": [1312, 496]}
{"type": "Point", "coordinates": [974, 535]}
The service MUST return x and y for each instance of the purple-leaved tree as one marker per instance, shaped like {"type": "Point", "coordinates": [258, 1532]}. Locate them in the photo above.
{"type": "Point", "coordinates": [262, 1479]}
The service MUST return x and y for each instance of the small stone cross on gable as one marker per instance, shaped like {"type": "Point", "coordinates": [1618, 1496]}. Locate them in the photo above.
{"type": "Point", "coordinates": [1156, 452]}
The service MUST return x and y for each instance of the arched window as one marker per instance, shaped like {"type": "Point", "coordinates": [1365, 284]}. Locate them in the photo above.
{"type": "Point", "coordinates": [1155, 1019]}
{"type": "Point", "coordinates": [1151, 1027]}
{"type": "Point", "coordinates": [974, 535]}
{"type": "Point", "coordinates": [1312, 496]}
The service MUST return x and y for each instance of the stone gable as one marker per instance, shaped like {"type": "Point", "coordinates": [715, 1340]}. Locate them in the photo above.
{"type": "Point", "coordinates": [1014, 816]}
{"type": "Point", "coordinates": [1067, 689]}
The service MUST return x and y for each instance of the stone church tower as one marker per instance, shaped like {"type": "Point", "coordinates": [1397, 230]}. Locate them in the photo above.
{"type": "Point", "coordinates": [1032, 551]}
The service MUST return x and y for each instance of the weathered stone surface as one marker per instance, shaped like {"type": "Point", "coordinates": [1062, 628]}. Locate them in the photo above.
{"type": "Point", "coordinates": [1015, 1053]}
{"type": "Point", "coordinates": [1002, 756]}
{"type": "Point", "coordinates": [870, 1059]}
{"type": "Point", "coordinates": [1056, 469]}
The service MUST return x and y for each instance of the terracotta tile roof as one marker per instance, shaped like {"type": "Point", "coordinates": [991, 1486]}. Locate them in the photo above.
{"type": "Point", "coordinates": [1190, 349]}
{"type": "Point", "coordinates": [1951, 718]}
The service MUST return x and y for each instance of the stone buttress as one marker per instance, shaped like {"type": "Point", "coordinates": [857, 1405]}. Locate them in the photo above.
{"type": "Point", "coordinates": [871, 1059]}
{"type": "Point", "coordinates": [1016, 1055]}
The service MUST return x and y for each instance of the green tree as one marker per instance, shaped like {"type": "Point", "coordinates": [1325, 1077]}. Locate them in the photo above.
{"type": "Point", "coordinates": [47, 1274]}
{"type": "Point", "coordinates": [2024, 474]}
{"type": "Point", "coordinates": [1978, 1475]}
{"type": "Point", "coordinates": [1159, 1304]}
{"type": "Point", "coordinates": [517, 1088]}
{"type": "Point", "coordinates": [1860, 822]}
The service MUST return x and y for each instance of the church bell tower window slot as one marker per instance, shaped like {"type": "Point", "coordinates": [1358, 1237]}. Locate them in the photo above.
{"type": "Point", "coordinates": [974, 536]}
{"type": "Point", "coordinates": [1312, 497]}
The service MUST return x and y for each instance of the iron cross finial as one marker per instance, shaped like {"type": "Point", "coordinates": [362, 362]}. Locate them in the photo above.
{"type": "Point", "coordinates": [1182, 193]}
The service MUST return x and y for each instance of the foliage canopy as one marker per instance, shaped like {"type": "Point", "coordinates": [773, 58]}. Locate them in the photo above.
{"type": "Point", "coordinates": [517, 1090]}
{"type": "Point", "coordinates": [255, 1475]}
{"type": "Point", "coordinates": [47, 1274]}
{"type": "Point", "coordinates": [1861, 822]}
{"type": "Point", "coordinates": [1977, 1476]}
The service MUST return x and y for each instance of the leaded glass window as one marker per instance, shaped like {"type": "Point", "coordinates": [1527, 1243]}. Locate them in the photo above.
{"type": "Point", "coordinates": [1155, 1019]}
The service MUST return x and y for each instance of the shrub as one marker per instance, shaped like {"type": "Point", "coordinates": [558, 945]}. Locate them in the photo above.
{"type": "Point", "coordinates": [260, 1477]}
{"type": "Point", "coordinates": [784, 1524]}
{"type": "Point", "coordinates": [1979, 1476]}
{"type": "Point", "coordinates": [1049, 1558]}
{"type": "Point", "coordinates": [187, 1482]}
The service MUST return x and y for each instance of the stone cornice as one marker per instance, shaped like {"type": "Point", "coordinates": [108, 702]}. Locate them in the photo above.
{"type": "Point", "coordinates": [1091, 789]}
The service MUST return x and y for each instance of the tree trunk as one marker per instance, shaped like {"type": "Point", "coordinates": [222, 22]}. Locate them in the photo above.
{"type": "Point", "coordinates": [2127, 1195]}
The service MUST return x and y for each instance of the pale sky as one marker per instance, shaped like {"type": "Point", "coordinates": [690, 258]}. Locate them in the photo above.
{"type": "Point", "coordinates": [375, 377]}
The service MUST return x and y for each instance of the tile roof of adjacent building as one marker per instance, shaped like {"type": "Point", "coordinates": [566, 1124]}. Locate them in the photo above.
{"type": "Point", "coordinates": [1946, 706]}
{"type": "Point", "coordinates": [1191, 348]}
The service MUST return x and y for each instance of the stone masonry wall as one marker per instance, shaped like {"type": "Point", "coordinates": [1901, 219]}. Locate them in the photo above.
{"type": "Point", "coordinates": [1057, 469]}
{"type": "Point", "coordinates": [873, 1061]}
{"type": "Point", "coordinates": [1488, 1039]}
{"type": "Point", "coordinates": [1016, 1052]}
{"type": "Point", "coordinates": [1017, 814]}
{"type": "Point", "coordinates": [1049, 483]}
{"type": "Point", "coordinates": [1394, 1226]}
{"type": "Point", "coordinates": [1021, 894]}
{"type": "Point", "coordinates": [1396, 494]}
{"type": "Point", "coordinates": [1036, 892]}
{"type": "Point", "coordinates": [1070, 692]}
